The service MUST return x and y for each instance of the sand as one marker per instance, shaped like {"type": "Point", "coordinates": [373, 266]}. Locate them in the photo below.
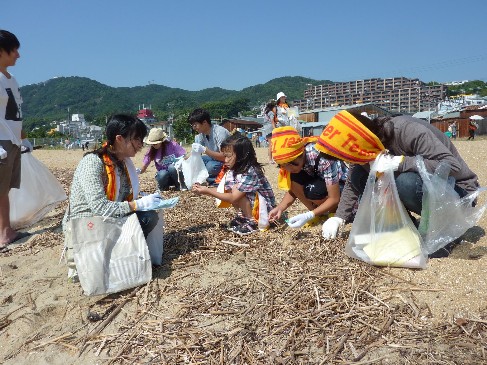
{"type": "Point", "coordinates": [43, 317]}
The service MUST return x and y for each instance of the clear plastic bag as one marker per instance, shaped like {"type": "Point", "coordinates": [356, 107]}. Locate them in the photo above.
{"type": "Point", "coordinates": [194, 170]}
{"type": "Point", "coordinates": [444, 215]}
{"type": "Point", "coordinates": [382, 233]}
{"type": "Point", "coordinates": [39, 193]}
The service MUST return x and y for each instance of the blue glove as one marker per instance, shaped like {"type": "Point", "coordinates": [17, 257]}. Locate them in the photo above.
{"type": "Point", "coordinates": [148, 202]}
{"type": "Point", "coordinates": [198, 148]}
{"type": "Point", "coordinates": [300, 220]}
{"type": "Point", "coordinates": [165, 204]}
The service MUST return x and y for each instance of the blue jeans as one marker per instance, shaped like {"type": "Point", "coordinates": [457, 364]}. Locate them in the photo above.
{"type": "Point", "coordinates": [409, 187]}
{"type": "Point", "coordinates": [169, 177]}
{"type": "Point", "coordinates": [148, 220]}
{"type": "Point", "coordinates": [213, 167]}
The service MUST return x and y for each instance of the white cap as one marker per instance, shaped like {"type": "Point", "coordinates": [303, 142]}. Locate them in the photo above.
{"type": "Point", "coordinates": [280, 95]}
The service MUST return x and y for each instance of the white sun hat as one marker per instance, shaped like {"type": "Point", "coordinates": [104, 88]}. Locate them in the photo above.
{"type": "Point", "coordinates": [156, 135]}
{"type": "Point", "coordinates": [280, 95]}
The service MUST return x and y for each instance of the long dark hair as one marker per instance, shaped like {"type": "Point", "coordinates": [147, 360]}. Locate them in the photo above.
{"type": "Point", "coordinates": [382, 127]}
{"type": "Point", "coordinates": [126, 125]}
{"type": "Point", "coordinates": [244, 151]}
{"type": "Point", "coordinates": [153, 151]}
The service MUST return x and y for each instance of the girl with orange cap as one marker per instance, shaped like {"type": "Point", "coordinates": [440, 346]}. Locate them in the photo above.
{"type": "Point", "coordinates": [359, 140]}
{"type": "Point", "coordinates": [307, 176]}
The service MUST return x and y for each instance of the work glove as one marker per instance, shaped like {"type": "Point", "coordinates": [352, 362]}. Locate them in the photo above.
{"type": "Point", "coordinates": [3, 153]}
{"type": "Point", "coordinates": [385, 162]}
{"type": "Point", "coordinates": [300, 220]}
{"type": "Point", "coordinates": [331, 227]}
{"type": "Point", "coordinates": [198, 148]}
{"type": "Point", "coordinates": [148, 202]}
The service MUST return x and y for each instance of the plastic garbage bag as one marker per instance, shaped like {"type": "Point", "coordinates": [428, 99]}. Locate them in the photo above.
{"type": "Point", "coordinates": [39, 193]}
{"type": "Point", "coordinates": [444, 215]}
{"type": "Point", "coordinates": [382, 233]}
{"type": "Point", "coordinates": [194, 170]}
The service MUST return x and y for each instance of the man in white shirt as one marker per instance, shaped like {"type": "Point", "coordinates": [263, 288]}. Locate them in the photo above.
{"type": "Point", "coordinates": [208, 142]}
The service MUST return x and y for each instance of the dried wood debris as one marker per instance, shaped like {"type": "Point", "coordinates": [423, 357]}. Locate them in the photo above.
{"type": "Point", "coordinates": [276, 297]}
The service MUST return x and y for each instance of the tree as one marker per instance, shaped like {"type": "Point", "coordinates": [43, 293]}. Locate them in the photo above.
{"type": "Point", "coordinates": [182, 129]}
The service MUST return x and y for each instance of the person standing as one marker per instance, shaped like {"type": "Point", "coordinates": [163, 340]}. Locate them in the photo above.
{"type": "Point", "coordinates": [208, 142]}
{"type": "Point", "coordinates": [281, 117]}
{"type": "Point", "coordinates": [472, 127]}
{"type": "Point", "coordinates": [454, 129]}
{"type": "Point", "coordinates": [164, 153]}
{"type": "Point", "coordinates": [10, 135]}
{"type": "Point", "coordinates": [269, 114]}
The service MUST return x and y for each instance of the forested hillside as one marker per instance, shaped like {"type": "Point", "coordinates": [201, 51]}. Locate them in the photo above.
{"type": "Point", "coordinates": [50, 100]}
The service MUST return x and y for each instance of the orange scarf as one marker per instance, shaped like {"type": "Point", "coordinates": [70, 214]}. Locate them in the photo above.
{"type": "Point", "coordinates": [111, 189]}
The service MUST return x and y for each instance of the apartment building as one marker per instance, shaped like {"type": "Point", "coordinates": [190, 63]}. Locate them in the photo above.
{"type": "Point", "coordinates": [397, 94]}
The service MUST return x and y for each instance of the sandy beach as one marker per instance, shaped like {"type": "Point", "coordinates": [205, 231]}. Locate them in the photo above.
{"type": "Point", "coordinates": [277, 297]}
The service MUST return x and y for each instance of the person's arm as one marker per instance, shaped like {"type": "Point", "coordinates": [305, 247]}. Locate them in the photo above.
{"type": "Point", "coordinates": [215, 155]}
{"type": "Point", "coordinates": [229, 197]}
{"type": "Point", "coordinates": [144, 168]}
{"type": "Point", "coordinates": [287, 200]}
{"type": "Point", "coordinates": [331, 202]}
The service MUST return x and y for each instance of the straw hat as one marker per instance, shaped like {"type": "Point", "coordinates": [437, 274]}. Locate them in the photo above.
{"type": "Point", "coordinates": [156, 135]}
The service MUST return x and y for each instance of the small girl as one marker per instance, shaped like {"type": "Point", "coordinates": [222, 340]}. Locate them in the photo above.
{"type": "Point", "coordinates": [246, 187]}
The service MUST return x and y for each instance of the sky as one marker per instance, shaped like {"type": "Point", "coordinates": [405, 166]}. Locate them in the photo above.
{"type": "Point", "coordinates": [193, 45]}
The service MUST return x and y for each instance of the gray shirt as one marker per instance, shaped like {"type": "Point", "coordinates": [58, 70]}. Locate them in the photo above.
{"type": "Point", "coordinates": [413, 137]}
{"type": "Point", "coordinates": [214, 140]}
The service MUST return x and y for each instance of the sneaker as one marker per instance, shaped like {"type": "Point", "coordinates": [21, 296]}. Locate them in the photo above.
{"type": "Point", "coordinates": [250, 226]}
{"type": "Point", "coordinates": [235, 222]}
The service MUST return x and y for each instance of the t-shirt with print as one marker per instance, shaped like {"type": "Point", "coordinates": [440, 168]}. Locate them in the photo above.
{"type": "Point", "coordinates": [10, 110]}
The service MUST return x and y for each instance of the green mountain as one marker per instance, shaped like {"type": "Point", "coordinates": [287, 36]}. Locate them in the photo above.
{"type": "Point", "coordinates": [50, 100]}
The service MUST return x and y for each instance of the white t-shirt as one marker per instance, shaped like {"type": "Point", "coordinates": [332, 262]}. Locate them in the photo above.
{"type": "Point", "coordinates": [10, 110]}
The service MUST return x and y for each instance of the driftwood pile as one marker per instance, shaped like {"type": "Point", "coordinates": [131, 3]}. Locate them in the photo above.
{"type": "Point", "coordinates": [277, 297]}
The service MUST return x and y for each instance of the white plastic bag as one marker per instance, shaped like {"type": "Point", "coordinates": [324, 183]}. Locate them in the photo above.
{"type": "Point", "coordinates": [382, 233]}
{"type": "Point", "coordinates": [110, 254]}
{"type": "Point", "coordinates": [39, 193]}
{"type": "Point", "coordinates": [194, 170]}
{"type": "Point", "coordinates": [444, 215]}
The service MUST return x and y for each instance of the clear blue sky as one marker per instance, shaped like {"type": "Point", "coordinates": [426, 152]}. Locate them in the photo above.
{"type": "Point", "coordinates": [197, 44]}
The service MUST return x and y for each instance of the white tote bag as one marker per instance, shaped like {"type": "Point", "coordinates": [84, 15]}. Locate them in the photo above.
{"type": "Point", "coordinates": [110, 254]}
{"type": "Point", "coordinates": [38, 194]}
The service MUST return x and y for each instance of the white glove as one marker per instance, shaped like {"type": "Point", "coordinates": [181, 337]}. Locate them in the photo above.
{"type": "Point", "coordinates": [385, 162]}
{"type": "Point", "coordinates": [138, 171]}
{"type": "Point", "coordinates": [300, 220]}
{"type": "Point", "coordinates": [198, 148]}
{"type": "Point", "coordinates": [179, 163]}
{"type": "Point", "coordinates": [148, 201]}
{"type": "Point", "coordinates": [331, 227]}
{"type": "Point", "coordinates": [3, 153]}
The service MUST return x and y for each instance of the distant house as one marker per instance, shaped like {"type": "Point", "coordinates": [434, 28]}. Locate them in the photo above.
{"type": "Point", "coordinates": [313, 121]}
{"type": "Point", "coordinates": [245, 124]}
